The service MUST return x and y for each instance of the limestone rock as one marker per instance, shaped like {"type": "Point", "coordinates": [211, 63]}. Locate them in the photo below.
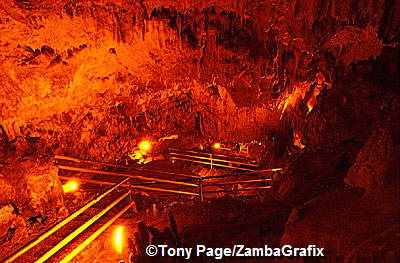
{"type": "Point", "coordinates": [7, 216]}
{"type": "Point", "coordinates": [42, 188]}
{"type": "Point", "coordinates": [7, 190]}
{"type": "Point", "coordinates": [311, 173]}
{"type": "Point", "coordinates": [33, 186]}
{"type": "Point", "coordinates": [382, 247]}
{"type": "Point", "coordinates": [343, 221]}
{"type": "Point", "coordinates": [12, 227]}
{"type": "Point", "coordinates": [376, 163]}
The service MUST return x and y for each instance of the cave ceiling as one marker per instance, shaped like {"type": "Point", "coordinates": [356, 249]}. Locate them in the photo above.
{"type": "Point", "coordinates": [125, 67]}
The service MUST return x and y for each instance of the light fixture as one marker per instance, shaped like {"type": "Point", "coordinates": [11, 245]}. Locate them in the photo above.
{"type": "Point", "coordinates": [145, 146]}
{"type": "Point", "coordinates": [70, 186]}
{"type": "Point", "coordinates": [118, 239]}
{"type": "Point", "coordinates": [217, 145]}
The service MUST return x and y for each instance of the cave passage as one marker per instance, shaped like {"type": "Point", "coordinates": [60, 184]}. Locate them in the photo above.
{"type": "Point", "coordinates": [199, 131]}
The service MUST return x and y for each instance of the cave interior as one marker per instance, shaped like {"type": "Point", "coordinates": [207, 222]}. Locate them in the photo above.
{"type": "Point", "coordinates": [250, 122]}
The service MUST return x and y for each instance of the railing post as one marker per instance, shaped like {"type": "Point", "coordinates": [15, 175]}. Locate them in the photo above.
{"type": "Point", "coordinates": [201, 190]}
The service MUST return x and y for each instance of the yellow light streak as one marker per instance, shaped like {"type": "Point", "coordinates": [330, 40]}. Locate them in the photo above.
{"type": "Point", "coordinates": [118, 239]}
{"type": "Point", "coordinates": [76, 169]}
{"type": "Point", "coordinates": [79, 230]}
{"type": "Point", "coordinates": [89, 240]}
{"type": "Point", "coordinates": [65, 221]}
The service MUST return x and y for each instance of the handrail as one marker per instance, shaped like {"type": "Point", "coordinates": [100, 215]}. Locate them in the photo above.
{"type": "Point", "coordinates": [164, 190]}
{"type": "Point", "coordinates": [165, 172]}
{"type": "Point", "coordinates": [62, 223]}
{"type": "Point", "coordinates": [215, 154]}
{"type": "Point", "coordinates": [77, 160]}
{"type": "Point", "coordinates": [214, 164]}
{"type": "Point", "coordinates": [79, 230]}
{"type": "Point", "coordinates": [124, 183]}
{"type": "Point", "coordinates": [70, 168]}
{"type": "Point", "coordinates": [238, 182]}
{"type": "Point", "coordinates": [89, 180]}
{"type": "Point", "coordinates": [238, 190]}
{"type": "Point", "coordinates": [214, 159]}
{"type": "Point", "coordinates": [267, 170]}
{"type": "Point", "coordinates": [108, 183]}
{"type": "Point", "coordinates": [92, 237]}
{"type": "Point", "coordinates": [129, 185]}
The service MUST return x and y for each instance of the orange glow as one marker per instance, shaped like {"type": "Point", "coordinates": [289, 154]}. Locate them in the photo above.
{"type": "Point", "coordinates": [70, 186]}
{"type": "Point", "coordinates": [118, 236]}
{"type": "Point", "coordinates": [291, 99]}
{"type": "Point", "coordinates": [217, 145]}
{"type": "Point", "coordinates": [313, 99]}
{"type": "Point", "coordinates": [145, 146]}
{"type": "Point", "coordinates": [297, 140]}
{"type": "Point", "coordinates": [310, 105]}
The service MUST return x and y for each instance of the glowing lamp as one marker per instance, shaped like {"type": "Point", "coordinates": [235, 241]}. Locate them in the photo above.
{"type": "Point", "coordinates": [70, 186]}
{"type": "Point", "coordinates": [118, 236]}
{"type": "Point", "coordinates": [217, 145]}
{"type": "Point", "coordinates": [145, 146]}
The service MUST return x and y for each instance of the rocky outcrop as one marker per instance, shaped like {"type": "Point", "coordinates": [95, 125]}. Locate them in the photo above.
{"type": "Point", "coordinates": [31, 197]}
{"type": "Point", "coordinates": [13, 228]}
{"type": "Point", "coordinates": [42, 188]}
{"type": "Point", "coordinates": [86, 68]}
{"type": "Point", "coordinates": [342, 221]}
{"type": "Point", "coordinates": [311, 173]}
{"type": "Point", "coordinates": [33, 187]}
{"type": "Point", "coordinates": [7, 190]}
{"type": "Point", "coordinates": [382, 247]}
{"type": "Point", "coordinates": [352, 225]}
{"type": "Point", "coordinates": [376, 164]}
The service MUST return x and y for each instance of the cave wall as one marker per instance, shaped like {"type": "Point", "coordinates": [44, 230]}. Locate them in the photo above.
{"type": "Point", "coordinates": [106, 72]}
{"type": "Point", "coordinates": [88, 78]}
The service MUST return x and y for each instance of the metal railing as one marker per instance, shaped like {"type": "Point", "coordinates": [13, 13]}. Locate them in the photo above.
{"type": "Point", "coordinates": [64, 223]}
{"type": "Point", "coordinates": [80, 229]}
{"type": "Point", "coordinates": [202, 184]}
{"type": "Point", "coordinates": [92, 237]}
{"type": "Point", "coordinates": [77, 160]}
{"type": "Point", "coordinates": [212, 159]}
